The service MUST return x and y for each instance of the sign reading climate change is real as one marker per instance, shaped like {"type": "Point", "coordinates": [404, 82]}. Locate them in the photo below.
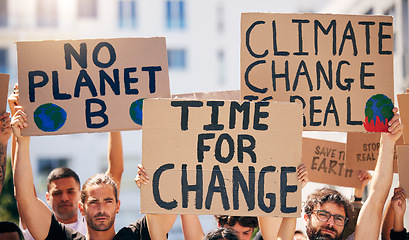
{"type": "Point", "coordinates": [221, 157]}
{"type": "Point", "coordinates": [332, 64]}
{"type": "Point", "coordinates": [98, 85]}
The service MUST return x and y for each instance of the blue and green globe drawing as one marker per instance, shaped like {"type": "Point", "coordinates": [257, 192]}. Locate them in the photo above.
{"type": "Point", "coordinates": [135, 110]}
{"type": "Point", "coordinates": [378, 112]}
{"type": "Point", "coordinates": [49, 117]}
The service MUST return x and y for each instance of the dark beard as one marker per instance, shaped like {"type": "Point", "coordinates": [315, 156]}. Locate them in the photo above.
{"type": "Point", "coordinates": [315, 233]}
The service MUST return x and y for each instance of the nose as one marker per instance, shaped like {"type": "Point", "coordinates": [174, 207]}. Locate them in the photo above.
{"type": "Point", "coordinates": [64, 196]}
{"type": "Point", "coordinates": [331, 221]}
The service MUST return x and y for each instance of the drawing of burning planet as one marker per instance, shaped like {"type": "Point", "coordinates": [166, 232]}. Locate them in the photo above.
{"type": "Point", "coordinates": [378, 112]}
{"type": "Point", "coordinates": [49, 117]}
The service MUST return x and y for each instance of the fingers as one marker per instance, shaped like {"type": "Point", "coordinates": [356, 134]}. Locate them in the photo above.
{"type": "Point", "coordinates": [302, 174]}
{"type": "Point", "coordinates": [142, 177]}
{"type": "Point", "coordinates": [19, 120]}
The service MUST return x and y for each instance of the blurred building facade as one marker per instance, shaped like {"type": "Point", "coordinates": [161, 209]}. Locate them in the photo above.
{"type": "Point", "coordinates": [203, 41]}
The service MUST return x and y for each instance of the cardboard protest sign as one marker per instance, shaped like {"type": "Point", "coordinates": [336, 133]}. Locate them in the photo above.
{"type": "Point", "coordinates": [363, 150]}
{"type": "Point", "coordinates": [403, 101]}
{"type": "Point", "coordinates": [221, 157]}
{"type": "Point", "coordinates": [403, 163]}
{"type": "Point", "coordinates": [221, 95]}
{"type": "Point", "coordinates": [325, 161]}
{"type": "Point", "coordinates": [332, 64]}
{"type": "Point", "coordinates": [4, 88]}
{"type": "Point", "coordinates": [73, 86]}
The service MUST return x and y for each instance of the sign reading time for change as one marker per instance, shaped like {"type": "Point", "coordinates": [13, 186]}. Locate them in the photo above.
{"type": "Point", "coordinates": [325, 161]}
{"type": "Point", "coordinates": [73, 86]}
{"type": "Point", "coordinates": [221, 157]}
{"type": "Point", "coordinates": [331, 64]}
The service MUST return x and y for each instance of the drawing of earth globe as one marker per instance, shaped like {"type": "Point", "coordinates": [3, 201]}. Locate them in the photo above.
{"type": "Point", "coordinates": [135, 110]}
{"type": "Point", "coordinates": [378, 112]}
{"type": "Point", "coordinates": [49, 117]}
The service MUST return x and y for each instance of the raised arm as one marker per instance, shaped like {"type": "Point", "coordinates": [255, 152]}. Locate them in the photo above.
{"type": "Point", "coordinates": [282, 228]}
{"type": "Point", "coordinates": [36, 214]}
{"type": "Point", "coordinates": [158, 224]}
{"type": "Point", "coordinates": [191, 227]}
{"type": "Point", "coordinates": [5, 133]}
{"type": "Point", "coordinates": [115, 157]}
{"type": "Point", "coordinates": [369, 219]}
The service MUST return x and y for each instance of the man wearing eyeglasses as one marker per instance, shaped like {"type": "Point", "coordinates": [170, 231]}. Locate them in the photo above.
{"type": "Point", "coordinates": [326, 213]}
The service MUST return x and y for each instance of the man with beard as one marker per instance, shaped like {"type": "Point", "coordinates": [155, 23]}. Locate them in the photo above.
{"type": "Point", "coordinates": [99, 203]}
{"type": "Point", "coordinates": [326, 213]}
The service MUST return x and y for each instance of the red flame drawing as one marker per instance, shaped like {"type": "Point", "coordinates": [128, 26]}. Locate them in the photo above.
{"type": "Point", "coordinates": [378, 126]}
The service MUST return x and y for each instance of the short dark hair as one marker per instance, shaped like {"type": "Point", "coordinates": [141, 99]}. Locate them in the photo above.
{"type": "Point", "coordinates": [223, 220]}
{"type": "Point", "coordinates": [222, 233]}
{"type": "Point", "coordinates": [325, 195]}
{"type": "Point", "coordinates": [99, 179]}
{"type": "Point", "coordinates": [61, 172]}
{"type": "Point", "coordinates": [10, 227]}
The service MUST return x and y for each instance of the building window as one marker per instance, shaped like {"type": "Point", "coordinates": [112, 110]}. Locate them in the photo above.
{"type": "Point", "coordinates": [221, 67]}
{"type": "Point", "coordinates": [3, 60]}
{"type": "Point", "coordinates": [175, 14]}
{"type": "Point", "coordinates": [3, 13]}
{"type": "Point", "coordinates": [87, 8]}
{"type": "Point", "coordinates": [46, 13]}
{"type": "Point", "coordinates": [127, 14]}
{"type": "Point", "coordinates": [177, 59]}
{"type": "Point", "coordinates": [220, 18]}
{"type": "Point", "coordinates": [46, 165]}
{"type": "Point", "coordinates": [369, 12]}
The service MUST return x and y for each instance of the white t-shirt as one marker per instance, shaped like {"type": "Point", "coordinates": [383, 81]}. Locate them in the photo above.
{"type": "Point", "coordinates": [80, 225]}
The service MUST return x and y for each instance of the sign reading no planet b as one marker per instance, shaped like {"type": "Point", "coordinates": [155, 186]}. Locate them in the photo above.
{"type": "Point", "coordinates": [331, 64]}
{"type": "Point", "coordinates": [221, 157]}
{"type": "Point", "coordinates": [98, 85]}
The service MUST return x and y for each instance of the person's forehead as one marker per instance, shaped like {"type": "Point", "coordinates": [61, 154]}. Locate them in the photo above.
{"type": "Point", "coordinates": [331, 207]}
{"type": "Point", "coordinates": [101, 191]}
{"type": "Point", "coordinates": [64, 183]}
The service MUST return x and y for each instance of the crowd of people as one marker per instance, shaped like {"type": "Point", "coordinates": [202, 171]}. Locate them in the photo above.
{"type": "Point", "coordinates": [89, 212]}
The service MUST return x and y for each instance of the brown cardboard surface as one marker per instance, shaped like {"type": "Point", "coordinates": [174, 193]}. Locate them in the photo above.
{"type": "Point", "coordinates": [138, 65]}
{"type": "Point", "coordinates": [403, 163]}
{"type": "Point", "coordinates": [170, 143]}
{"type": "Point", "coordinates": [221, 95]}
{"type": "Point", "coordinates": [363, 150]}
{"type": "Point", "coordinates": [403, 102]}
{"type": "Point", "coordinates": [325, 161]}
{"type": "Point", "coordinates": [4, 88]}
{"type": "Point", "coordinates": [272, 43]}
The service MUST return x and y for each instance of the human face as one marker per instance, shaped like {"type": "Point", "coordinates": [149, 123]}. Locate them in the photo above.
{"type": "Point", "coordinates": [244, 233]}
{"type": "Point", "coordinates": [9, 236]}
{"type": "Point", "coordinates": [317, 229]}
{"type": "Point", "coordinates": [63, 197]}
{"type": "Point", "coordinates": [100, 207]}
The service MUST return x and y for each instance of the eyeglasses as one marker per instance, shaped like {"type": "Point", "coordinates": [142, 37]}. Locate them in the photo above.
{"type": "Point", "coordinates": [324, 216]}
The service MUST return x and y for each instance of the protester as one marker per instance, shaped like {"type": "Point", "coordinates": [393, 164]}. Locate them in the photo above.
{"type": "Point", "coordinates": [63, 184]}
{"type": "Point", "coordinates": [398, 203]}
{"type": "Point", "coordinates": [5, 133]}
{"type": "Point", "coordinates": [221, 233]}
{"type": "Point", "coordinates": [299, 235]}
{"type": "Point", "coordinates": [10, 231]}
{"type": "Point", "coordinates": [370, 217]}
{"type": "Point", "coordinates": [99, 203]}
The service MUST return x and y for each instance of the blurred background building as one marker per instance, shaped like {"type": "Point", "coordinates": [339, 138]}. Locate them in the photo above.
{"type": "Point", "coordinates": [203, 42]}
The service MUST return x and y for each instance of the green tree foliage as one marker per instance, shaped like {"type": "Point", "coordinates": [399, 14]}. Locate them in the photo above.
{"type": "Point", "coordinates": [8, 205]}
